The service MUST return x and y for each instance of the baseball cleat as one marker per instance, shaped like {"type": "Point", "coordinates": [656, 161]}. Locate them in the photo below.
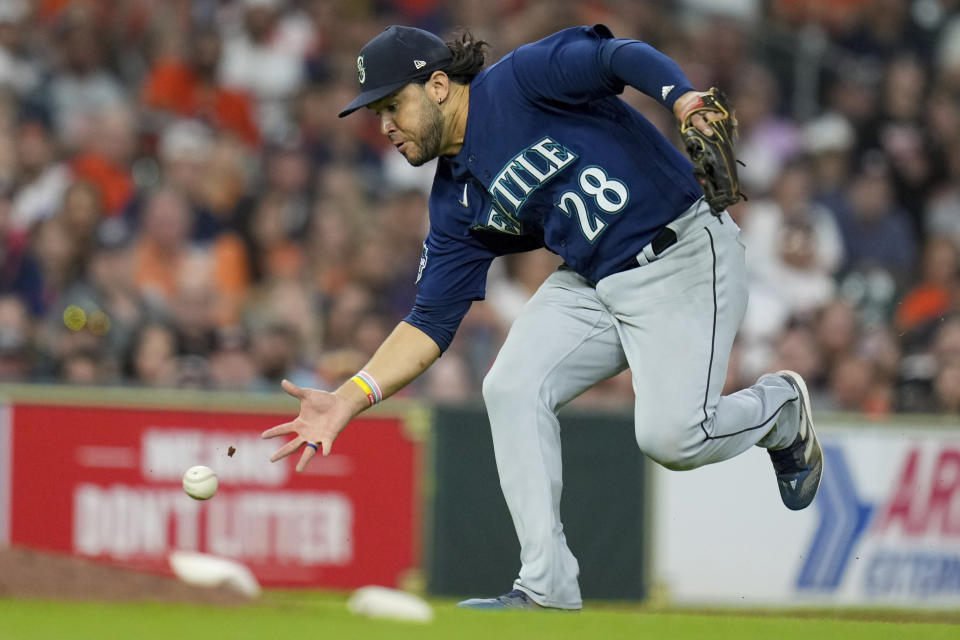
{"type": "Point", "coordinates": [516, 599]}
{"type": "Point", "coordinates": [799, 466]}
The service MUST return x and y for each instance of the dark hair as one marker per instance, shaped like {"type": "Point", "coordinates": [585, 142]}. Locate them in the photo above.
{"type": "Point", "coordinates": [468, 56]}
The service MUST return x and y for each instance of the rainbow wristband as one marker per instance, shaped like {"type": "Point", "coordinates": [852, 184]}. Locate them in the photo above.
{"type": "Point", "coordinates": [370, 387]}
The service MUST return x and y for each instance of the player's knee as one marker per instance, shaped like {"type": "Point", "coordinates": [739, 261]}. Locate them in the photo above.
{"type": "Point", "coordinates": [506, 386]}
{"type": "Point", "coordinates": [674, 447]}
{"type": "Point", "coordinates": [498, 386]}
{"type": "Point", "coordinates": [672, 458]}
{"type": "Point", "coordinates": [491, 384]}
{"type": "Point", "coordinates": [677, 461]}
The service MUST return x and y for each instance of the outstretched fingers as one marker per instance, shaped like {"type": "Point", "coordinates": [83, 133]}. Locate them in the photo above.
{"type": "Point", "coordinates": [292, 389]}
{"type": "Point", "coordinates": [305, 458]}
{"type": "Point", "coordinates": [288, 448]}
{"type": "Point", "coordinates": [280, 430]}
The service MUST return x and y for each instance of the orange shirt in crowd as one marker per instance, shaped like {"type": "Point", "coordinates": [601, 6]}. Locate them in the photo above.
{"type": "Point", "coordinates": [172, 86]}
{"type": "Point", "coordinates": [923, 303]}
{"type": "Point", "coordinates": [156, 273]}
{"type": "Point", "coordinates": [232, 275]}
{"type": "Point", "coordinates": [114, 182]}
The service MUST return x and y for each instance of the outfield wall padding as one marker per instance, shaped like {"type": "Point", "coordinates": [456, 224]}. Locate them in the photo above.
{"type": "Point", "coordinates": [472, 549]}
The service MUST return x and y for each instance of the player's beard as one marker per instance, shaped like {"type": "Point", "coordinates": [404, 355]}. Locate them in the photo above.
{"type": "Point", "coordinates": [431, 133]}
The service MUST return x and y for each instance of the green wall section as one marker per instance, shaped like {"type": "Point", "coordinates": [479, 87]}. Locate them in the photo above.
{"type": "Point", "coordinates": [472, 549]}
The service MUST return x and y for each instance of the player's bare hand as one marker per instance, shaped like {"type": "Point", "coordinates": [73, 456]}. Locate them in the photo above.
{"type": "Point", "coordinates": [322, 417]}
{"type": "Point", "coordinates": [689, 101]}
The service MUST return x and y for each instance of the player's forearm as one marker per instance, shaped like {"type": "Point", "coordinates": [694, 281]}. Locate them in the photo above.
{"type": "Point", "coordinates": [405, 354]}
{"type": "Point", "coordinates": [650, 71]}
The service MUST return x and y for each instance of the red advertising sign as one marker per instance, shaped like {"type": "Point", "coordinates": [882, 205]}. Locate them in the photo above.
{"type": "Point", "coordinates": [105, 483]}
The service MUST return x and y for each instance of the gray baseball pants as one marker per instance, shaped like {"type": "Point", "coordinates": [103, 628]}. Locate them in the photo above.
{"type": "Point", "coordinates": [672, 320]}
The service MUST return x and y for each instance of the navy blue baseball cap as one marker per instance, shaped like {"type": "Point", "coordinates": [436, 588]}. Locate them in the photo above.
{"type": "Point", "coordinates": [395, 58]}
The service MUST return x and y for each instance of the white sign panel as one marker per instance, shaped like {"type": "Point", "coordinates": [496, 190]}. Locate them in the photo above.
{"type": "Point", "coordinates": [884, 529]}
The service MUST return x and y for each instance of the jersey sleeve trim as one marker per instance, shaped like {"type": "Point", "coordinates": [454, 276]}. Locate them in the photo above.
{"type": "Point", "coordinates": [440, 322]}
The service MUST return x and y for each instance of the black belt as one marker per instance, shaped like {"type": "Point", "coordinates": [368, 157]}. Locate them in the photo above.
{"type": "Point", "coordinates": [665, 239]}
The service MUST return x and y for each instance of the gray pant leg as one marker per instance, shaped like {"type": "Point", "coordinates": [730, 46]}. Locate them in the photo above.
{"type": "Point", "coordinates": [677, 318]}
{"type": "Point", "coordinates": [563, 343]}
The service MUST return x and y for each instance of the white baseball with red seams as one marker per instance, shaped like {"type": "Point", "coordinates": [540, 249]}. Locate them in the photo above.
{"type": "Point", "coordinates": [200, 482]}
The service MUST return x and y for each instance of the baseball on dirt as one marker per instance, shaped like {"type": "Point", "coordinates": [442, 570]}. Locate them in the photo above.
{"type": "Point", "coordinates": [200, 482]}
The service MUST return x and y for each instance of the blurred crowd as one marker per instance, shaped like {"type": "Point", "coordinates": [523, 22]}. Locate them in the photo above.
{"type": "Point", "coordinates": [181, 207]}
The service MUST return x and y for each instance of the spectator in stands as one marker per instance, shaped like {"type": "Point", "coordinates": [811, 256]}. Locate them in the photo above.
{"type": "Point", "coordinates": [881, 346]}
{"type": "Point", "coordinates": [288, 190]}
{"type": "Point", "coordinates": [226, 180]}
{"type": "Point", "coordinates": [15, 339]}
{"type": "Point", "coordinates": [942, 210]}
{"type": "Point", "coordinates": [191, 89]}
{"type": "Point", "coordinates": [107, 286]}
{"type": "Point", "coordinates": [856, 386]}
{"type": "Point", "coordinates": [828, 141]}
{"type": "Point", "coordinates": [196, 305]}
{"type": "Point", "coordinates": [793, 250]}
{"type": "Point", "coordinates": [797, 349]}
{"type": "Point", "coordinates": [20, 273]}
{"type": "Point", "coordinates": [276, 356]}
{"type": "Point", "coordinates": [231, 364]}
{"type": "Point", "coordinates": [793, 244]}
{"type": "Point", "coordinates": [876, 232]}
{"type": "Point", "coordinates": [935, 295]}
{"type": "Point", "coordinates": [451, 382]}
{"type": "Point", "coordinates": [82, 88]}
{"type": "Point", "coordinates": [404, 216]}
{"type": "Point", "coordinates": [41, 178]}
{"type": "Point", "coordinates": [344, 313]}
{"type": "Point", "coordinates": [152, 358]}
{"type": "Point", "coordinates": [249, 206]}
{"type": "Point", "coordinates": [946, 343]}
{"type": "Point", "coordinates": [184, 150]}
{"type": "Point", "coordinates": [852, 93]}
{"type": "Point", "coordinates": [208, 175]}
{"type": "Point", "coordinates": [19, 70]}
{"type": "Point", "coordinates": [59, 258]}
{"type": "Point", "coordinates": [270, 241]}
{"type": "Point", "coordinates": [767, 140]}
{"type": "Point", "coordinates": [162, 245]}
{"type": "Point", "coordinates": [371, 332]}
{"type": "Point", "coordinates": [81, 211]}
{"type": "Point", "coordinates": [838, 331]}
{"type": "Point", "coordinates": [106, 153]}
{"type": "Point", "coordinates": [332, 237]}
{"type": "Point", "coordinates": [293, 304]}
{"type": "Point", "coordinates": [266, 57]}
{"type": "Point", "coordinates": [328, 139]}
{"type": "Point", "coordinates": [922, 370]}
{"type": "Point", "coordinates": [914, 164]}
{"type": "Point", "coordinates": [84, 367]}
{"type": "Point", "coordinates": [375, 266]}
{"type": "Point", "coordinates": [882, 29]}
{"type": "Point", "coordinates": [946, 388]}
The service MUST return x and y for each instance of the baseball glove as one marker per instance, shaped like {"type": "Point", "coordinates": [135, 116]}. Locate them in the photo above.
{"type": "Point", "coordinates": [714, 161]}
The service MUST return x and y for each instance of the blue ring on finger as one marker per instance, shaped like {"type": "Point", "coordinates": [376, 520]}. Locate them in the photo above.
{"type": "Point", "coordinates": [314, 447]}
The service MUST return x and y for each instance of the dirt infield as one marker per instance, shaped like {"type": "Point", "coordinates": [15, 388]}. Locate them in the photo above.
{"type": "Point", "coordinates": [32, 574]}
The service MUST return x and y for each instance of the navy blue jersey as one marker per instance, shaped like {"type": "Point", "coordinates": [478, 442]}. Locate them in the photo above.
{"type": "Point", "coordinates": [553, 158]}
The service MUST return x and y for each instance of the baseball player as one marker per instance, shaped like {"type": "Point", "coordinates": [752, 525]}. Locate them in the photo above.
{"type": "Point", "coordinates": [538, 151]}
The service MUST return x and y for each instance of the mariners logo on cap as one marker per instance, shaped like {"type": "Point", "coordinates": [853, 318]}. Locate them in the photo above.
{"type": "Point", "coordinates": [361, 70]}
